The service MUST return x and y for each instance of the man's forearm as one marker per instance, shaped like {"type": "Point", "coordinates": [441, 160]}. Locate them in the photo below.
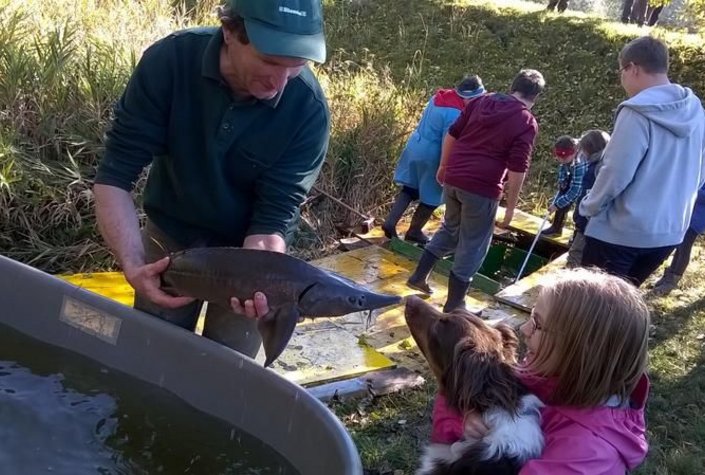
{"type": "Point", "coordinates": [514, 184]}
{"type": "Point", "coordinates": [118, 224]}
{"type": "Point", "coordinates": [448, 142]}
{"type": "Point", "coordinates": [265, 242]}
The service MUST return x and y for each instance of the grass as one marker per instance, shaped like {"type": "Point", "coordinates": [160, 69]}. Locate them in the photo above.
{"type": "Point", "coordinates": [64, 63]}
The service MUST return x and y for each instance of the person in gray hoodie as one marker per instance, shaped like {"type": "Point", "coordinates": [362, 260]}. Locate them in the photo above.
{"type": "Point", "coordinates": [640, 206]}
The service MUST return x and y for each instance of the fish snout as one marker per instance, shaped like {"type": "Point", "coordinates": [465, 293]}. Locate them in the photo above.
{"type": "Point", "coordinates": [358, 301]}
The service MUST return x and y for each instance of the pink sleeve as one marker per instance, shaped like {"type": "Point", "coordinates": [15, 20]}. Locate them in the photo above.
{"type": "Point", "coordinates": [576, 456]}
{"type": "Point", "coordinates": [447, 432]}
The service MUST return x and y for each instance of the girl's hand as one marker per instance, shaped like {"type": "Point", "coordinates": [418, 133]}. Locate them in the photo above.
{"type": "Point", "coordinates": [473, 426]}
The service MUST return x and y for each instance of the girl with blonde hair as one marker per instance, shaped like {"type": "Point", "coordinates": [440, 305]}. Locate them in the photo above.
{"type": "Point", "coordinates": [587, 342]}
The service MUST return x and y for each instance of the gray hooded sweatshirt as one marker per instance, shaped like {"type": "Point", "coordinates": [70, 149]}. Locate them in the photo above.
{"type": "Point", "coordinates": [652, 168]}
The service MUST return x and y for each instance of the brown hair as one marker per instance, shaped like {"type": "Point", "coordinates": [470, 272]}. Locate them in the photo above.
{"type": "Point", "coordinates": [594, 141]}
{"type": "Point", "coordinates": [565, 141]}
{"type": "Point", "coordinates": [648, 52]}
{"type": "Point", "coordinates": [469, 82]}
{"type": "Point", "coordinates": [529, 83]}
{"type": "Point", "coordinates": [472, 362]}
{"type": "Point", "coordinates": [480, 374]}
{"type": "Point", "coordinates": [594, 340]}
{"type": "Point", "coordinates": [233, 23]}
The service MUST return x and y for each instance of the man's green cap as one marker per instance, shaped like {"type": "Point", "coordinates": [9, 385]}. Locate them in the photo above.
{"type": "Point", "coordinates": [284, 27]}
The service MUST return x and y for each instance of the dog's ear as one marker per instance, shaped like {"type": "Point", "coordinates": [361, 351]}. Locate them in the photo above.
{"type": "Point", "coordinates": [478, 381]}
{"type": "Point", "coordinates": [510, 341]}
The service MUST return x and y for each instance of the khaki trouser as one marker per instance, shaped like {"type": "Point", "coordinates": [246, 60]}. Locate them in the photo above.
{"type": "Point", "coordinates": [221, 323]}
{"type": "Point", "coordinates": [575, 253]}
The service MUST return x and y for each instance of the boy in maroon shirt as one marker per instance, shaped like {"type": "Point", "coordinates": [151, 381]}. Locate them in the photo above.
{"type": "Point", "coordinates": [493, 137]}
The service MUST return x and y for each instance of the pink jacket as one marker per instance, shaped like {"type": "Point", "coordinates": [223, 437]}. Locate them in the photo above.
{"type": "Point", "coordinates": [447, 425]}
{"type": "Point", "coordinates": [596, 441]}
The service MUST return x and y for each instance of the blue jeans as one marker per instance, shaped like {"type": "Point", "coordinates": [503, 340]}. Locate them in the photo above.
{"type": "Point", "coordinates": [681, 258]}
{"type": "Point", "coordinates": [633, 263]}
{"type": "Point", "coordinates": [467, 231]}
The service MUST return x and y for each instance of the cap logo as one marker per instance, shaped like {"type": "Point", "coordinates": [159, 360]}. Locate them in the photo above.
{"type": "Point", "coordinates": [291, 11]}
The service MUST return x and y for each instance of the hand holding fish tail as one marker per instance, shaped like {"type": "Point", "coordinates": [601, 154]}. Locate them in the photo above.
{"type": "Point", "coordinates": [145, 280]}
{"type": "Point", "coordinates": [256, 307]}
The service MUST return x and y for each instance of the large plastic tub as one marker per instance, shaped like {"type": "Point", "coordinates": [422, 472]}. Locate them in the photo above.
{"type": "Point", "coordinates": [206, 375]}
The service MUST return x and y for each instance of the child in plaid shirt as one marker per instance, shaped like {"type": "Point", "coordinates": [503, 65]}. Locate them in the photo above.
{"type": "Point", "coordinates": [570, 182]}
{"type": "Point", "coordinates": [591, 146]}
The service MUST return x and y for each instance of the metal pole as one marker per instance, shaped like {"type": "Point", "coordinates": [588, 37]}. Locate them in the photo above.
{"type": "Point", "coordinates": [528, 254]}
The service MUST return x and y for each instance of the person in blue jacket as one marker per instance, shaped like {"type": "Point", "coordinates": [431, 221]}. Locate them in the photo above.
{"type": "Point", "coordinates": [681, 258]}
{"type": "Point", "coordinates": [416, 170]}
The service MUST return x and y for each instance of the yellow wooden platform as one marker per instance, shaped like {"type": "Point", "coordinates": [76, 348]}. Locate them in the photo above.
{"type": "Point", "coordinates": [529, 224]}
{"type": "Point", "coordinates": [384, 271]}
{"type": "Point", "coordinates": [376, 235]}
{"type": "Point", "coordinates": [523, 294]}
{"type": "Point", "coordinates": [522, 222]}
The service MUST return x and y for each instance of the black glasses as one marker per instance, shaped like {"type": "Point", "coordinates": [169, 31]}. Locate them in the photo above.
{"type": "Point", "coordinates": [535, 325]}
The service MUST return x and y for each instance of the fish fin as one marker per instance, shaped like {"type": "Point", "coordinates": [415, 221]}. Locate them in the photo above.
{"type": "Point", "coordinates": [276, 329]}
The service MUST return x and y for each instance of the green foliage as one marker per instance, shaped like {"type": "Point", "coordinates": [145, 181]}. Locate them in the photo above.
{"type": "Point", "coordinates": [62, 66]}
{"type": "Point", "coordinates": [64, 63]}
{"type": "Point", "coordinates": [436, 42]}
{"type": "Point", "coordinates": [695, 9]}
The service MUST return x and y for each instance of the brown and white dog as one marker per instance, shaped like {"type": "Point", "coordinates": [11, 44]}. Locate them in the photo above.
{"type": "Point", "coordinates": [474, 366]}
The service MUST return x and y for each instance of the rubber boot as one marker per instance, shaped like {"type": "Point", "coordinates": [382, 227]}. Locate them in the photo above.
{"type": "Point", "coordinates": [419, 279]}
{"type": "Point", "coordinates": [667, 283]}
{"type": "Point", "coordinates": [401, 202]}
{"type": "Point", "coordinates": [456, 293]}
{"type": "Point", "coordinates": [418, 221]}
{"type": "Point", "coordinates": [556, 227]}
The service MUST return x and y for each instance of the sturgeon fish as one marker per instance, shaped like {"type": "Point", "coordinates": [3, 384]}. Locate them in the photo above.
{"type": "Point", "coordinates": [294, 288]}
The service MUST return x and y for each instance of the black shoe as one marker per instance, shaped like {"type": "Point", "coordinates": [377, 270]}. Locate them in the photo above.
{"type": "Point", "coordinates": [419, 279]}
{"type": "Point", "coordinates": [556, 227]}
{"type": "Point", "coordinates": [551, 231]}
{"type": "Point", "coordinates": [456, 293]}
{"type": "Point", "coordinates": [401, 202]}
{"type": "Point", "coordinates": [418, 221]}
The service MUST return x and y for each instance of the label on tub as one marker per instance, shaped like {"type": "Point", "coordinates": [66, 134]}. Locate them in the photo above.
{"type": "Point", "coordinates": [90, 320]}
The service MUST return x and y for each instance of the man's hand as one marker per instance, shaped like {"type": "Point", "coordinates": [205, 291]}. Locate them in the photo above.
{"type": "Point", "coordinates": [256, 307]}
{"type": "Point", "coordinates": [508, 216]}
{"type": "Point", "coordinates": [441, 175]}
{"type": "Point", "coordinates": [552, 209]}
{"type": "Point", "coordinates": [145, 280]}
{"type": "Point", "coordinates": [512, 189]}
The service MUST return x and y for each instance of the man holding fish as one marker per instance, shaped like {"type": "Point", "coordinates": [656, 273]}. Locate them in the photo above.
{"type": "Point", "coordinates": [235, 127]}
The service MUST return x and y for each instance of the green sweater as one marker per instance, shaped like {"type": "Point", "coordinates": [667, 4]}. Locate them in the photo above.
{"type": "Point", "coordinates": [222, 168]}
